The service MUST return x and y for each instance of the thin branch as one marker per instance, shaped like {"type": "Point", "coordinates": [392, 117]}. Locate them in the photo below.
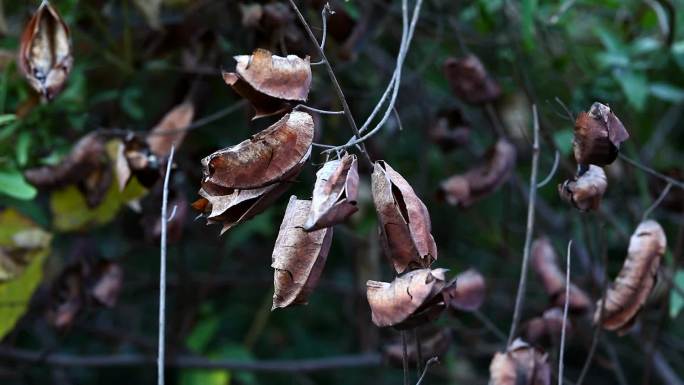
{"type": "Point", "coordinates": [489, 325]}
{"type": "Point", "coordinates": [404, 356]}
{"type": "Point", "coordinates": [657, 202]}
{"type": "Point", "coordinates": [554, 168]}
{"type": "Point", "coordinates": [324, 18]}
{"type": "Point", "coordinates": [565, 315]}
{"type": "Point", "coordinates": [522, 284]}
{"type": "Point", "coordinates": [430, 362]}
{"type": "Point", "coordinates": [419, 350]}
{"type": "Point", "coordinates": [674, 182]}
{"type": "Point", "coordinates": [312, 109]}
{"type": "Point", "coordinates": [162, 269]}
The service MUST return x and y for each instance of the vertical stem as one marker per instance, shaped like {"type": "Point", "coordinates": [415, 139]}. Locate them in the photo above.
{"type": "Point", "coordinates": [565, 314]}
{"type": "Point", "coordinates": [162, 271]}
{"type": "Point", "coordinates": [522, 284]}
{"type": "Point", "coordinates": [404, 346]}
{"type": "Point", "coordinates": [419, 351]}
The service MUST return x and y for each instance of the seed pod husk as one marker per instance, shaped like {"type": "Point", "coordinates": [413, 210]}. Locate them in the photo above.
{"type": "Point", "coordinates": [403, 219]}
{"type": "Point", "coordinates": [45, 56]}
{"type": "Point", "coordinates": [598, 135]}
{"type": "Point", "coordinates": [298, 256]}
{"type": "Point", "coordinates": [627, 295]}
{"type": "Point", "coordinates": [335, 193]}
{"type": "Point", "coordinates": [520, 364]}
{"type": "Point", "coordinates": [585, 191]}
{"type": "Point", "coordinates": [546, 330]}
{"type": "Point", "coordinates": [470, 81]}
{"type": "Point", "coordinates": [450, 130]}
{"type": "Point", "coordinates": [467, 292]}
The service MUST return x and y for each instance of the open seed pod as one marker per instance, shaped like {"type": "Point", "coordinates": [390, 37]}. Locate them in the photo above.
{"type": "Point", "coordinates": [598, 135]}
{"type": "Point", "coordinates": [627, 295]}
{"type": "Point", "coordinates": [470, 81]}
{"type": "Point", "coordinates": [334, 194]}
{"type": "Point", "coordinates": [404, 220]}
{"type": "Point", "coordinates": [467, 292]}
{"type": "Point", "coordinates": [449, 130]}
{"type": "Point", "coordinates": [264, 158]}
{"type": "Point", "coordinates": [134, 158]}
{"type": "Point", "coordinates": [545, 264]}
{"type": "Point", "coordinates": [520, 364]}
{"type": "Point", "coordinates": [298, 256]}
{"type": "Point", "coordinates": [433, 343]}
{"type": "Point", "coordinates": [547, 329]}
{"type": "Point", "coordinates": [586, 191]}
{"type": "Point", "coordinates": [408, 301]}
{"type": "Point", "coordinates": [269, 82]}
{"type": "Point", "coordinates": [106, 283]}
{"type": "Point", "coordinates": [45, 56]}
{"type": "Point", "coordinates": [478, 182]}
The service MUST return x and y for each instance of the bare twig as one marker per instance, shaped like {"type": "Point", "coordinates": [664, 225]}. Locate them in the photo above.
{"type": "Point", "coordinates": [419, 351]}
{"type": "Point", "coordinates": [430, 362]}
{"type": "Point", "coordinates": [162, 270]}
{"type": "Point", "coordinates": [554, 168]}
{"type": "Point", "coordinates": [522, 284]}
{"type": "Point", "coordinates": [312, 109]}
{"type": "Point", "coordinates": [404, 356]}
{"type": "Point", "coordinates": [565, 315]}
{"type": "Point", "coordinates": [674, 182]}
{"type": "Point", "coordinates": [657, 202]}
{"type": "Point", "coordinates": [490, 325]}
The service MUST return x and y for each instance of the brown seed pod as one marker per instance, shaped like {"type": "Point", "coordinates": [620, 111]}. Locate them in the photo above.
{"type": "Point", "coordinates": [107, 282]}
{"type": "Point", "coordinates": [546, 330]}
{"type": "Point", "coordinates": [171, 130]}
{"type": "Point", "coordinates": [45, 56]}
{"type": "Point", "coordinates": [404, 220]}
{"type": "Point", "coordinates": [335, 193]}
{"type": "Point", "coordinates": [521, 364]}
{"type": "Point", "coordinates": [598, 135]}
{"type": "Point", "coordinates": [410, 300]}
{"type": "Point", "coordinates": [627, 295]}
{"type": "Point", "coordinates": [298, 256]}
{"type": "Point", "coordinates": [545, 264]}
{"type": "Point", "coordinates": [468, 291]}
{"type": "Point", "coordinates": [449, 130]}
{"type": "Point", "coordinates": [469, 80]}
{"type": "Point", "coordinates": [433, 343]}
{"type": "Point", "coordinates": [135, 158]}
{"type": "Point", "coordinates": [586, 191]}
{"type": "Point", "coordinates": [478, 182]}
{"type": "Point", "coordinates": [263, 159]}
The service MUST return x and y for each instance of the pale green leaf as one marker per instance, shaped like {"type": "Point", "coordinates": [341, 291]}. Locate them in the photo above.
{"type": "Point", "coordinates": [13, 184]}
{"type": "Point", "coordinates": [676, 299]}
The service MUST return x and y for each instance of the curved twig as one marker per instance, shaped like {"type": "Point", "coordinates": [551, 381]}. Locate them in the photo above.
{"type": "Point", "coordinates": [565, 315]}
{"type": "Point", "coordinates": [554, 168]}
{"type": "Point", "coordinates": [162, 270]}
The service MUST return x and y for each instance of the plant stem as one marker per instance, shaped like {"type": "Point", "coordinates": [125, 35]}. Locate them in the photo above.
{"type": "Point", "coordinates": [162, 270]}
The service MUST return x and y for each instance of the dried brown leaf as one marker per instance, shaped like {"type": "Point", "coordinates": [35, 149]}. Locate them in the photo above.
{"type": "Point", "coordinates": [107, 283]}
{"type": "Point", "coordinates": [171, 130]}
{"type": "Point", "coordinates": [521, 364]}
{"type": "Point", "coordinates": [598, 135]}
{"type": "Point", "coordinates": [263, 104]}
{"type": "Point", "coordinates": [334, 194]}
{"type": "Point", "coordinates": [467, 291]}
{"type": "Point", "coordinates": [298, 256]}
{"type": "Point", "coordinates": [627, 295]}
{"type": "Point", "coordinates": [470, 81]}
{"type": "Point", "coordinates": [286, 78]}
{"type": "Point", "coordinates": [450, 130]}
{"type": "Point", "coordinates": [586, 191]}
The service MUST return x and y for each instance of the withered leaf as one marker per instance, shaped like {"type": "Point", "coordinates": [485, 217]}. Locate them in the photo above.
{"type": "Point", "coordinates": [134, 158]}
{"type": "Point", "coordinates": [478, 182]}
{"type": "Point", "coordinates": [298, 256]}
{"type": "Point", "coordinates": [171, 130]}
{"type": "Point", "coordinates": [586, 191]}
{"type": "Point", "coordinates": [520, 364]}
{"type": "Point", "coordinates": [106, 285]}
{"type": "Point", "coordinates": [263, 159]}
{"type": "Point", "coordinates": [470, 81]}
{"type": "Point", "coordinates": [334, 194]}
{"type": "Point", "coordinates": [545, 265]}
{"type": "Point", "coordinates": [433, 343]}
{"type": "Point", "coordinates": [598, 135]}
{"type": "Point", "coordinates": [404, 220]}
{"type": "Point", "coordinates": [627, 295]}
{"type": "Point", "coordinates": [409, 300]}
{"type": "Point", "coordinates": [68, 297]}
{"type": "Point", "coordinates": [263, 104]}
{"type": "Point", "coordinates": [467, 291]}
{"type": "Point", "coordinates": [45, 56]}
{"type": "Point", "coordinates": [547, 329]}
{"type": "Point", "coordinates": [24, 246]}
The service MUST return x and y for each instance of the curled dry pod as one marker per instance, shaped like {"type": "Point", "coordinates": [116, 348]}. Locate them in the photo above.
{"type": "Point", "coordinates": [585, 192]}
{"type": "Point", "coordinates": [467, 291]}
{"type": "Point", "coordinates": [263, 159]}
{"type": "Point", "coordinates": [410, 300]}
{"type": "Point", "coordinates": [450, 130]}
{"type": "Point", "coordinates": [298, 256]}
{"type": "Point", "coordinates": [466, 189]}
{"type": "Point", "coordinates": [334, 194]}
{"type": "Point", "coordinates": [545, 264]}
{"type": "Point", "coordinates": [598, 135]}
{"type": "Point", "coordinates": [520, 364]}
{"type": "Point", "coordinates": [106, 283]}
{"type": "Point", "coordinates": [171, 130]}
{"type": "Point", "coordinates": [269, 82]}
{"type": "Point", "coordinates": [135, 158]}
{"type": "Point", "coordinates": [546, 329]}
{"type": "Point", "coordinates": [627, 295]}
{"type": "Point", "coordinates": [45, 52]}
{"type": "Point", "coordinates": [433, 343]}
{"type": "Point", "coordinates": [469, 80]}
{"type": "Point", "coordinates": [404, 220]}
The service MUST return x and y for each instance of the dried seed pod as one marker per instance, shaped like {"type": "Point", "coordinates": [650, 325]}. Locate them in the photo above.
{"type": "Point", "coordinates": [586, 191]}
{"type": "Point", "coordinates": [433, 343]}
{"type": "Point", "coordinates": [409, 300]}
{"type": "Point", "coordinates": [335, 193]}
{"type": "Point", "coordinates": [627, 295]}
{"type": "Point", "coordinates": [546, 329]}
{"type": "Point", "coordinates": [45, 53]}
{"type": "Point", "coordinates": [298, 256]}
{"type": "Point", "coordinates": [171, 130]}
{"type": "Point", "coordinates": [263, 159]}
{"type": "Point", "coordinates": [404, 220]}
{"type": "Point", "coordinates": [598, 135]}
{"type": "Point", "coordinates": [478, 182]}
{"type": "Point", "coordinates": [521, 364]}
{"type": "Point", "coordinates": [467, 291]}
{"type": "Point", "coordinates": [545, 264]}
{"type": "Point", "coordinates": [106, 283]}
{"type": "Point", "coordinates": [68, 297]}
{"type": "Point", "coordinates": [469, 80]}
{"type": "Point", "coordinates": [450, 130]}
{"type": "Point", "coordinates": [134, 158]}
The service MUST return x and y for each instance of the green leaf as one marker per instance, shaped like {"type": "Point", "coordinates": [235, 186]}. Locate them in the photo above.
{"type": "Point", "coordinates": [7, 119]}
{"type": "Point", "coordinates": [667, 92]}
{"type": "Point", "coordinates": [202, 334]}
{"type": "Point", "coordinates": [563, 140]}
{"type": "Point", "coordinates": [635, 87]}
{"type": "Point", "coordinates": [22, 146]}
{"type": "Point", "coordinates": [676, 299]}
{"type": "Point", "coordinates": [529, 8]}
{"type": "Point", "coordinates": [12, 183]}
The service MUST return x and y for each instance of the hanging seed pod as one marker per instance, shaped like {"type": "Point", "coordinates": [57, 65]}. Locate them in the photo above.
{"type": "Point", "coordinates": [335, 193]}
{"type": "Point", "coordinates": [45, 56]}
{"type": "Point", "coordinates": [298, 256]}
{"type": "Point", "coordinates": [521, 364]}
{"type": "Point", "coordinates": [547, 329]}
{"type": "Point", "coordinates": [627, 295]}
{"type": "Point", "coordinates": [585, 191]}
{"type": "Point", "coordinates": [467, 292]}
{"type": "Point", "coordinates": [470, 81]}
{"type": "Point", "coordinates": [478, 182]}
{"type": "Point", "coordinates": [545, 264]}
{"type": "Point", "coordinates": [410, 300]}
{"type": "Point", "coordinates": [598, 135]}
{"type": "Point", "coordinates": [404, 220]}
{"type": "Point", "coordinates": [106, 283]}
{"type": "Point", "coordinates": [450, 130]}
